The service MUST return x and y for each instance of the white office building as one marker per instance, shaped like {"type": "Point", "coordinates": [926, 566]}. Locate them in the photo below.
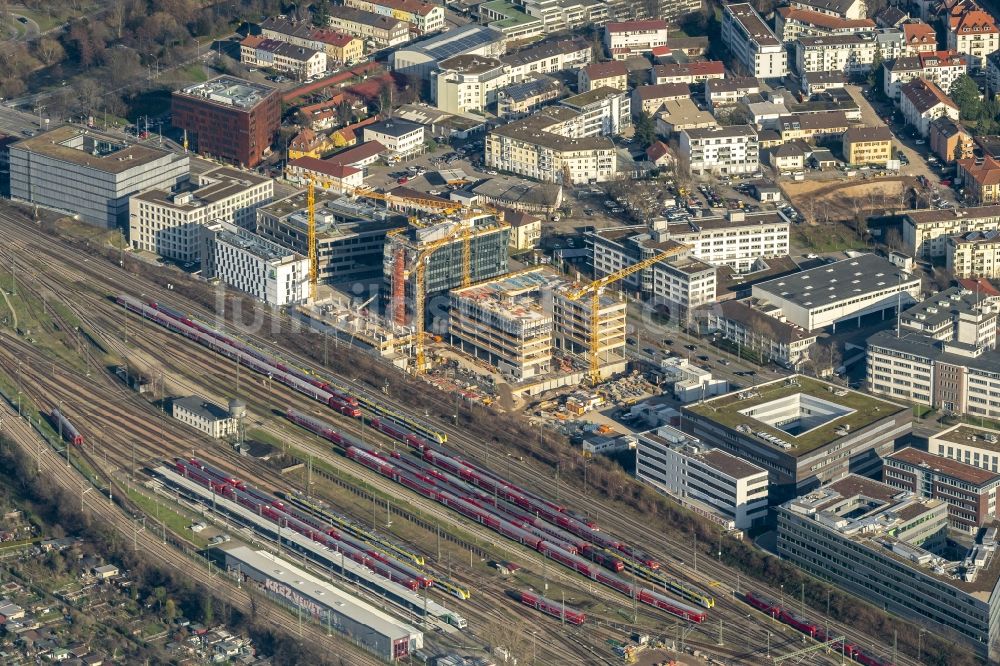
{"type": "Point", "coordinates": [402, 138]}
{"type": "Point", "coordinates": [702, 478]}
{"type": "Point", "coordinates": [168, 223]}
{"type": "Point", "coordinates": [758, 53]}
{"type": "Point", "coordinates": [246, 261]}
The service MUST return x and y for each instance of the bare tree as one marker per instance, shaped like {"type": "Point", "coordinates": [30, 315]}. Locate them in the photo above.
{"type": "Point", "coordinates": [49, 51]}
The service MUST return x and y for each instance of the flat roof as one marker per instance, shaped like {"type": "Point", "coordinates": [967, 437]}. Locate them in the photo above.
{"type": "Point", "coordinates": [838, 281]}
{"type": "Point", "coordinates": [216, 185]}
{"type": "Point", "coordinates": [323, 593]}
{"type": "Point", "coordinates": [229, 91]}
{"type": "Point", "coordinates": [535, 84]}
{"type": "Point", "coordinates": [85, 147]}
{"type": "Point", "coordinates": [957, 215]}
{"type": "Point", "coordinates": [456, 41]}
{"type": "Point", "coordinates": [535, 129]}
{"type": "Point", "coordinates": [970, 435]}
{"type": "Point", "coordinates": [924, 346]}
{"type": "Point", "coordinates": [721, 132]}
{"type": "Point", "coordinates": [468, 63]}
{"type": "Point", "coordinates": [943, 306]}
{"type": "Point", "coordinates": [753, 24]}
{"type": "Point", "coordinates": [511, 296]}
{"type": "Point", "coordinates": [954, 469]}
{"type": "Point", "coordinates": [725, 410]}
{"type": "Point", "coordinates": [394, 128]}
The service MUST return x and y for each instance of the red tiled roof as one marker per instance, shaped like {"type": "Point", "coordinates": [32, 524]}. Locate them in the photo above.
{"type": "Point", "coordinates": [919, 33]}
{"type": "Point", "coordinates": [333, 38]}
{"type": "Point", "coordinates": [656, 151]}
{"type": "Point", "coordinates": [980, 285]}
{"type": "Point", "coordinates": [605, 70]}
{"type": "Point", "coordinates": [947, 58]}
{"type": "Point", "coordinates": [327, 167]}
{"type": "Point", "coordinates": [975, 21]}
{"type": "Point", "coordinates": [660, 51]}
{"type": "Point", "coordinates": [358, 153]}
{"type": "Point", "coordinates": [985, 173]}
{"type": "Point", "coordinates": [253, 41]}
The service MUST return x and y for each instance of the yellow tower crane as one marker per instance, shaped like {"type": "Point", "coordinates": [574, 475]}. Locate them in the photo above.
{"type": "Point", "coordinates": [594, 290]}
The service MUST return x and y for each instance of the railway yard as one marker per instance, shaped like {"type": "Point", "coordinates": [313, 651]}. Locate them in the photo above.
{"type": "Point", "coordinates": [394, 504]}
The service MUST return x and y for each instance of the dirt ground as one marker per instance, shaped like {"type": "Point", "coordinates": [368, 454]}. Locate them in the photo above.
{"type": "Point", "coordinates": [843, 200]}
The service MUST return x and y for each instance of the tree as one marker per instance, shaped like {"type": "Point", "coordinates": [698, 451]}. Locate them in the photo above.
{"type": "Point", "coordinates": [737, 115]}
{"type": "Point", "coordinates": [49, 51]}
{"type": "Point", "coordinates": [645, 129]}
{"type": "Point", "coordinates": [321, 13]}
{"type": "Point", "coordinates": [169, 610]}
{"type": "Point", "coordinates": [965, 93]}
{"type": "Point", "coordinates": [873, 73]}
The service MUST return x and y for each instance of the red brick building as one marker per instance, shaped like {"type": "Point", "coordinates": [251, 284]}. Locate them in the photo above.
{"type": "Point", "coordinates": [229, 119]}
{"type": "Point", "coordinates": [970, 491]}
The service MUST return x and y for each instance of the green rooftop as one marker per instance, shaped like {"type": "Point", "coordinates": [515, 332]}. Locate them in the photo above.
{"type": "Point", "coordinates": [513, 16]}
{"type": "Point", "coordinates": [861, 409]}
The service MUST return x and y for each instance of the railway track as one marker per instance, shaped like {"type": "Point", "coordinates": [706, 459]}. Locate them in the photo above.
{"type": "Point", "coordinates": [525, 474]}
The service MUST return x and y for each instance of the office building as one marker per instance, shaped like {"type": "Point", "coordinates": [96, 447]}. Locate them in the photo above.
{"type": "Point", "coordinates": [702, 478]}
{"type": "Point", "coordinates": [301, 62]}
{"type": "Point", "coordinates": [926, 232]}
{"type": "Point", "coordinates": [729, 150]}
{"type": "Point", "coordinates": [381, 31]}
{"type": "Point", "coordinates": [511, 21]}
{"type": "Point", "coordinates": [757, 52]}
{"type": "Point", "coordinates": [88, 174]}
{"type": "Point", "coordinates": [956, 314]}
{"type": "Point", "coordinates": [228, 119]}
{"type": "Point", "coordinates": [939, 67]}
{"type": "Point", "coordinates": [836, 293]}
{"type": "Point", "coordinates": [478, 241]}
{"type": "Point", "coordinates": [468, 83]}
{"type": "Point", "coordinates": [424, 17]}
{"type": "Point", "coordinates": [969, 444]}
{"type": "Point", "coordinates": [623, 39]}
{"type": "Point", "coordinates": [350, 235]}
{"type": "Point", "coordinates": [922, 102]}
{"type": "Point", "coordinates": [241, 259]}
{"type": "Point", "coordinates": [803, 431]}
{"type": "Point", "coordinates": [765, 332]}
{"type": "Point", "coordinates": [573, 322]}
{"type": "Point", "coordinates": [567, 15]}
{"type": "Point", "coordinates": [215, 421]}
{"type": "Point", "coordinates": [168, 222]}
{"type": "Point", "coordinates": [550, 146]}
{"type": "Point", "coordinates": [400, 137]}
{"type": "Point", "coordinates": [424, 57]}
{"type": "Point", "coordinates": [868, 145]}
{"type": "Point", "coordinates": [868, 538]}
{"type": "Point", "coordinates": [970, 491]}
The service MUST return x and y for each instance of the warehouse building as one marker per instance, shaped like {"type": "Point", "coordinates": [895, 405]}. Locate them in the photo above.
{"type": "Point", "coordinates": [269, 272]}
{"type": "Point", "coordinates": [327, 605]}
{"type": "Point", "coordinates": [88, 174]}
{"type": "Point", "coordinates": [803, 431]}
{"type": "Point", "coordinates": [424, 57]}
{"type": "Point", "coordinates": [707, 480]}
{"type": "Point", "coordinates": [970, 491]}
{"type": "Point", "coordinates": [844, 290]}
{"type": "Point", "coordinates": [229, 119]}
{"type": "Point", "coordinates": [350, 235]}
{"type": "Point", "coordinates": [887, 547]}
{"type": "Point", "coordinates": [168, 222]}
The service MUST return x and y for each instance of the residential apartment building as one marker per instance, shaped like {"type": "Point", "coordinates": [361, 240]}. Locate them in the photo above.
{"type": "Point", "coordinates": [213, 420]}
{"type": "Point", "coordinates": [843, 291]}
{"type": "Point", "coordinates": [330, 176]}
{"type": "Point", "coordinates": [993, 73]}
{"type": "Point", "coordinates": [751, 327]}
{"type": "Point", "coordinates": [803, 431]}
{"type": "Point", "coordinates": [949, 140]}
{"type": "Point", "coordinates": [852, 53]}
{"type": "Point", "coordinates": [547, 57]}
{"type": "Point", "coordinates": [421, 59]}
{"type": "Point", "coordinates": [510, 20]}
{"type": "Point", "coordinates": [168, 222]}
{"type": "Point", "coordinates": [707, 480]}
{"type": "Point", "coordinates": [425, 17]}
{"type": "Point", "coordinates": [603, 111]}
{"type": "Point", "coordinates": [567, 15]}
{"type": "Point", "coordinates": [720, 150]}
{"type": "Point", "coordinates": [550, 146]}
{"type": "Point", "coordinates": [468, 83]}
{"type": "Point", "coordinates": [299, 61]}
{"type": "Point", "coordinates": [793, 22]}
{"type": "Point", "coordinates": [531, 94]}
{"type": "Point", "coordinates": [970, 444]}
{"type": "Point", "coordinates": [919, 37]}
{"type": "Point", "coordinates": [229, 119]}
{"type": "Point", "coordinates": [951, 376]}
{"type": "Point", "coordinates": [868, 145]}
{"type": "Point", "coordinates": [400, 137]}
{"type": "Point", "coordinates": [89, 174]}
{"type": "Point", "coordinates": [613, 74]}
{"type": "Point", "coordinates": [845, 9]}
{"type": "Point", "coordinates": [980, 177]}
{"type": "Point", "coordinates": [757, 51]}
{"type": "Point", "coordinates": [974, 254]}
{"type": "Point", "coordinates": [939, 67]}
{"type": "Point", "coordinates": [973, 32]}
{"type": "Point", "coordinates": [926, 232]}
{"type": "Point", "coordinates": [970, 491]}
{"type": "Point", "coordinates": [726, 92]}
{"type": "Point", "coordinates": [650, 99]}
{"type": "Point", "coordinates": [241, 259]}
{"type": "Point", "coordinates": [866, 537]}
{"type": "Point", "coordinates": [738, 240]}
{"type": "Point", "coordinates": [382, 31]}
{"type": "Point", "coordinates": [628, 38]}
{"type": "Point", "coordinates": [922, 102]}
{"type": "Point", "coordinates": [812, 126]}
{"type": "Point", "coordinates": [954, 315]}
{"type": "Point", "coordinates": [339, 47]}
{"type": "Point", "coordinates": [688, 72]}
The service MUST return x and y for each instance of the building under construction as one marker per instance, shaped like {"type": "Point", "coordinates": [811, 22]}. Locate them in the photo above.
{"type": "Point", "coordinates": [350, 234]}
{"type": "Point", "coordinates": [456, 250]}
{"type": "Point", "coordinates": [518, 321]}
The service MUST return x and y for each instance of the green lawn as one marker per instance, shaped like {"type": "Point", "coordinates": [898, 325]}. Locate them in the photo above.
{"type": "Point", "coordinates": [169, 513]}
{"type": "Point", "coordinates": [825, 238]}
{"type": "Point", "coordinates": [44, 20]}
